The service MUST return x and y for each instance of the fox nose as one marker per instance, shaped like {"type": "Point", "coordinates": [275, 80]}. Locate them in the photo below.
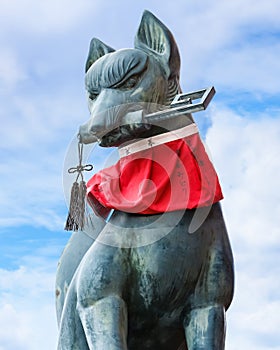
{"type": "Point", "coordinates": [86, 136]}
{"type": "Point", "coordinates": [108, 112]}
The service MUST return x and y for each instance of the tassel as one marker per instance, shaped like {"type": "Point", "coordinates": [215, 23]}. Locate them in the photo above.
{"type": "Point", "coordinates": [72, 223]}
{"type": "Point", "coordinates": [76, 215]}
{"type": "Point", "coordinates": [81, 204]}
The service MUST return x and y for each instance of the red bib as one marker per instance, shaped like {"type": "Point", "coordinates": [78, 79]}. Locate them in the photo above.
{"type": "Point", "coordinates": [158, 177]}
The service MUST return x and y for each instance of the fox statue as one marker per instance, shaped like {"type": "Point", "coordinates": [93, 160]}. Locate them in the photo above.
{"type": "Point", "coordinates": [143, 279]}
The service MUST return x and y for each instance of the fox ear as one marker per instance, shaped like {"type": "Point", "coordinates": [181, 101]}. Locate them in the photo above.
{"type": "Point", "coordinates": [97, 49]}
{"type": "Point", "coordinates": [155, 38]}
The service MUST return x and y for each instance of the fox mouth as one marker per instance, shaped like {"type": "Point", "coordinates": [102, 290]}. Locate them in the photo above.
{"type": "Point", "coordinates": [129, 132]}
{"type": "Point", "coordinates": [127, 123]}
{"type": "Point", "coordinates": [123, 134]}
{"type": "Point", "coordinates": [132, 128]}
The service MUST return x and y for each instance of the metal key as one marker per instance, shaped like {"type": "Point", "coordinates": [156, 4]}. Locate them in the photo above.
{"type": "Point", "coordinates": [184, 103]}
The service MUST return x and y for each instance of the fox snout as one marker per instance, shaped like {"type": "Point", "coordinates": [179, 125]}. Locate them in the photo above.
{"type": "Point", "coordinates": [86, 136]}
{"type": "Point", "coordinates": [108, 116]}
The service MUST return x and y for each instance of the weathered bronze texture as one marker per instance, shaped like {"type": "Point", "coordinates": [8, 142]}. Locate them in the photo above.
{"type": "Point", "coordinates": [114, 292]}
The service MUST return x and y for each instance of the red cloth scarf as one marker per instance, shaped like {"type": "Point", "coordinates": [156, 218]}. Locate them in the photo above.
{"type": "Point", "coordinates": [157, 178]}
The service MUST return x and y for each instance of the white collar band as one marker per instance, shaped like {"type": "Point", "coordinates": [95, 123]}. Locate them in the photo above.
{"type": "Point", "coordinates": [160, 139]}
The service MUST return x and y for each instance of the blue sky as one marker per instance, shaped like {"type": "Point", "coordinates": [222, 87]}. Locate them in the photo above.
{"type": "Point", "coordinates": [233, 45]}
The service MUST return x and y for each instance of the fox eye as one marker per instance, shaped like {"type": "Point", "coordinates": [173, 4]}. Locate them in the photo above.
{"type": "Point", "coordinates": [92, 96]}
{"type": "Point", "coordinates": [130, 82]}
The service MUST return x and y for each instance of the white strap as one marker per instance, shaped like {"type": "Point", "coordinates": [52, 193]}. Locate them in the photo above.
{"type": "Point", "coordinates": [158, 140]}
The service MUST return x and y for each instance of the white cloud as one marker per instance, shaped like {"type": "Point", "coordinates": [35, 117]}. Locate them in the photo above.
{"type": "Point", "coordinates": [245, 152]}
{"type": "Point", "coordinates": [11, 70]}
{"type": "Point", "coordinates": [253, 319]}
{"type": "Point", "coordinates": [32, 192]}
{"type": "Point", "coordinates": [37, 120]}
{"type": "Point", "coordinates": [27, 311]}
{"type": "Point", "coordinates": [44, 17]}
{"type": "Point", "coordinates": [27, 329]}
{"type": "Point", "coordinates": [221, 23]}
{"type": "Point", "coordinates": [251, 68]}
{"type": "Point", "coordinates": [231, 44]}
{"type": "Point", "coordinates": [36, 130]}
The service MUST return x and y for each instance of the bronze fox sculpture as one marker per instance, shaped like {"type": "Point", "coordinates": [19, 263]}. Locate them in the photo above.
{"type": "Point", "coordinates": [118, 292]}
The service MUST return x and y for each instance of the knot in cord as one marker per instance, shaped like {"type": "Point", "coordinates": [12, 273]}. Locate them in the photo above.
{"type": "Point", "coordinates": [80, 167]}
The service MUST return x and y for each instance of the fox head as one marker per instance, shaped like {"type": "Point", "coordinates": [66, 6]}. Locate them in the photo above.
{"type": "Point", "coordinates": [121, 83]}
